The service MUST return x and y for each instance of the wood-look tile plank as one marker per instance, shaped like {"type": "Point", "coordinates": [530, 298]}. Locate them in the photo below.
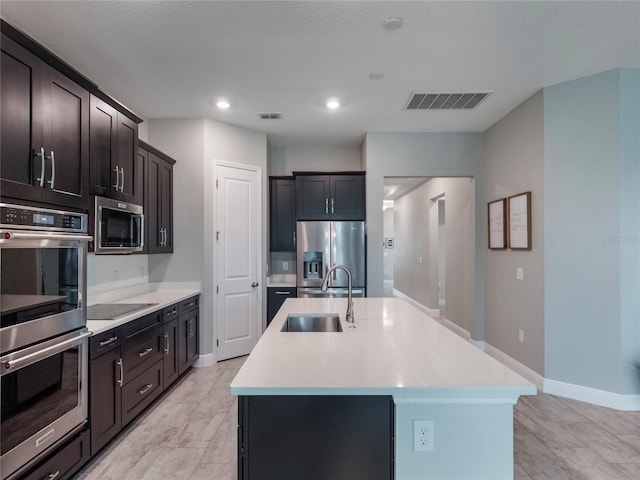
{"type": "Point", "coordinates": [613, 421]}
{"type": "Point", "coordinates": [173, 463]}
{"type": "Point", "coordinates": [223, 447]}
{"type": "Point", "coordinates": [215, 471]}
{"type": "Point", "coordinates": [199, 429]}
{"type": "Point", "coordinates": [519, 473]}
{"type": "Point", "coordinates": [218, 400]}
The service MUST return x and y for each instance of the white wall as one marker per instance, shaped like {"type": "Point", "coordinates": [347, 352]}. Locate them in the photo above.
{"type": "Point", "coordinates": [285, 160]}
{"type": "Point", "coordinates": [110, 272]}
{"type": "Point", "coordinates": [515, 164]}
{"type": "Point", "coordinates": [424, 155]}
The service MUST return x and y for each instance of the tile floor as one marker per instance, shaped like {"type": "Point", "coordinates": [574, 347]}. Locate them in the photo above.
{"type": "Point", "coordinates": [190, 434]}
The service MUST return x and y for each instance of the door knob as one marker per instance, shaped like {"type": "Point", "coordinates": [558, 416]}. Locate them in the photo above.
{"type": "Point", "coordinates": [254, 284]}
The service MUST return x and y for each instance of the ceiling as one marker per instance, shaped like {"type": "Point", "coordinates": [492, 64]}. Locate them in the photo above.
{"type": "Point", "coordinates": [396, 187]}
{"type": "Point", "coordinates": [176, 59]}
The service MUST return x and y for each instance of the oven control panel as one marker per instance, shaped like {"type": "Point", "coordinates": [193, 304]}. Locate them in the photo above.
{"type": "Point", "coordinates": [34, 218]}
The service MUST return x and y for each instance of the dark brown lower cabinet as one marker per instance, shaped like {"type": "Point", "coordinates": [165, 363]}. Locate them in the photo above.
{"type": "Point", "coordinates": [64, 461]}
{"type": "Point", "coordinates": [171, 359]}
{"type": "Point", "coordinates": [318, 437]}
{"type": "Point", "coordinates": [139, 392]}
{"type": "Point", "coordinates": [105, 404]}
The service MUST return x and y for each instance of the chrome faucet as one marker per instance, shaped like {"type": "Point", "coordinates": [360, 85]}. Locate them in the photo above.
{"type": "Point", "coordinates": [325, 283]}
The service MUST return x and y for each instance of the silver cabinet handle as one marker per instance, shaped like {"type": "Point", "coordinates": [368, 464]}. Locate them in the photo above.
{"type": "Point", "coordinates": [190, 331]}
{"type": "Point", "coordinates": [254, 284]}
{"type": "Point", "coordinates": [278, 292]}
{"type": "Point", "coordinates": [122, 185]}
{"type": "Point", "coordinates": [52, 476]}
{"type": "Point", "coordinates": [145, 389]}
{"type": "Point", "coordinates": [166, 344]}
{"type": "Point", "coordinates": [165, 236]}
{"type": "Point", "coordinates": [40, 179]}
{"type": "Point", "coordinates": [52, 182]}
{"type": "Point", "coordinates": [145, 352]}
{"type": "Point", "coordinates": [294, 237]}
{"type": "Point", "coordinates": [326, 205]}
{"type": "Point", "coordinates": [109, 341]}
{"type": "Point", "coordinates": [121, 379]}
{"type": "Point", "coordinates": [332, 203]}
{"type": "Point", "coordinates": [117, 185]}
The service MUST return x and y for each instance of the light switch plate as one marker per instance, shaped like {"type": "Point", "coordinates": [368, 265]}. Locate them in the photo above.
{"type": "Point", "coordinates": [519, 273]}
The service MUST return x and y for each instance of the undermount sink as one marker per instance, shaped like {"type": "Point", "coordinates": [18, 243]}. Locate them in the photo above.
{"type": "Point", "coordinates": [312, 322]}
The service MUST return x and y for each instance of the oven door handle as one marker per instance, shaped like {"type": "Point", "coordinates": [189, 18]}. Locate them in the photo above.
{"type": "Point", "coordinates": [10, 365]}
{"type": "Point", "coordinates": [46, 236]}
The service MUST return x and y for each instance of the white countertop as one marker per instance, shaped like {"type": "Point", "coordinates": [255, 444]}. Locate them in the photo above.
{"type": "Point", "coordinates": [394, 350]}
{"type": "Point", "coordinates": [156, 294]}
{"type": "Point", "coordinates": [281, 280]}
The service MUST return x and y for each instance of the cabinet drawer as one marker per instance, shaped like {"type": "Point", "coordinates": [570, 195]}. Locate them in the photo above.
{"type": "Point", "coordinates": [142, 351]}
{"type": "Point", "coordinates": [64, 462]}
{"type": "Point", "coordinates": [141, 325]}
{"type": "Point", "coordinates": [189, 304]}
{"type": "Point", "coordinates": [282, 292]}
{"type": "Point", "coordinates": [104, 342]}
{"type": "Point", "coordinates": [141, 391]}
{"type": "Point", "coordinates": [170, 313]}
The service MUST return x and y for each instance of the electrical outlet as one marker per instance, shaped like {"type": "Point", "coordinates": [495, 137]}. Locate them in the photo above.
{"type": "Point", "coordinates": [422, 435]}
{"type": "Point", "coordinates": [521, 336]}
{"type": "Point", "coordinates": [420, 259]}
{"type": "Point", "coordinates": [285, 266]}
{"type": "Point", "coordinates": [519, 273]}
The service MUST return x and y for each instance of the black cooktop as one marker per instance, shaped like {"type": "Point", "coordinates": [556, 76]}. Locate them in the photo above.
{"type": "Point", "coordinates": [111, 311]}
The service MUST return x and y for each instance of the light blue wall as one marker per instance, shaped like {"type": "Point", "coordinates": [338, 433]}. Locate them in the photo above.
{"type": "Point", "coordinates": [589, 155]}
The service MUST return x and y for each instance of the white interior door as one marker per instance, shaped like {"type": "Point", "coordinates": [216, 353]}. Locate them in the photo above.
{"type": "Point", "coordinates": [238, 298]}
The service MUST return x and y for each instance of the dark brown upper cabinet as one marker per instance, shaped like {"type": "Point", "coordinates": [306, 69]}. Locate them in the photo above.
{"type": "Point", "coordinates": [282, 214]}
{"type": "Point", "coordinates": [116, 171]}
{"type": "Point", "coordinates": [44, 126]}
{"type": "Point", "coordinates": [158, 199]}
{"type": "Point", "coordinates": [331, 197]}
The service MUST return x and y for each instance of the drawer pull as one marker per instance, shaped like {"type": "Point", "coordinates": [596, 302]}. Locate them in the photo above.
{"type": "Point", "coordinates": [166, 343]}
{"type": "Point", "coordinates": [109, 341]}
{"type": "Point", "coordinates": [148, 350]}
{"type": "Point", "coordinates": [190, 305]}
{"type": "Point", "coordinates": [283, 293]}
{"type": "Point", "coordinates": [121, 379]}
{"type": "Point", "coordinates": [145, 389]}
{"type": "Point", "coordinates": [51, 476]}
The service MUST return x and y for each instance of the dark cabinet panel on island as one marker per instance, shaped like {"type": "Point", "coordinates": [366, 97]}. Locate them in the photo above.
{"type": "Point", "coordinates": [330, 197]}
{"type": "Point", "coordinates": [276, 297]}
{"type": "Point", "coordinates": [346, 436]}
{"type": "Point", "coordinates": [282, 214]}
{"type": "Point", "coordinates": [44, 126]}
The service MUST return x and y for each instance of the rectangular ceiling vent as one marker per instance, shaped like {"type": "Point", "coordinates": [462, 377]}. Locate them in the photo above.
{"type": "Point", "coordinates": [446, 101]}
{"type": "Point", "coordinates": [270, 116]}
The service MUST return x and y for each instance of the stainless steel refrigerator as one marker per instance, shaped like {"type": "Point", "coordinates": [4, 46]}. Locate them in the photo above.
{"type": "Point", "coordinates": [321, 245]}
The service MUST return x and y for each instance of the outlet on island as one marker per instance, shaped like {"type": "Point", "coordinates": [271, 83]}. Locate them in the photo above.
{"type": "Point", "coordinates": [422, 435]}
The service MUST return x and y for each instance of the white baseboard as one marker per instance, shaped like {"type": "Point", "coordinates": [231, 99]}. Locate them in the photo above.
{"type": "Point", "coordinates": [534, 377]}
{"type": "Point", "coordinates": [592, 395]}
{"type": "Point", "coordinates": [205, 360]}
{"type": "Point", "coordinates": [457, 329]}
{"type": "Point", "coordinates": [432, 312]}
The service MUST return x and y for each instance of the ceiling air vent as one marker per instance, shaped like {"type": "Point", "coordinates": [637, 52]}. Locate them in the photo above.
{"type": "Point", "coordinates": [270, 116]}
{"type": "Point", "coordinates": [446, 101]}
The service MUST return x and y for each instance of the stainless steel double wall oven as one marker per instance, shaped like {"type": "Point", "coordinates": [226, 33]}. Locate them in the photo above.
{"type": "Point", "coordinates": [43, 336]}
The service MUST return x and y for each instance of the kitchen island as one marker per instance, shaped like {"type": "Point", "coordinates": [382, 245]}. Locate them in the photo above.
{"type": "Point", "coordinates": [301, 393]}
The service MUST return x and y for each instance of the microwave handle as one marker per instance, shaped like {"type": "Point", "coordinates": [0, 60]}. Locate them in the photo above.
{"type": "Point", "coordinates": [141, 230]}
{"type": "Point", "coordinates": [48, 236]}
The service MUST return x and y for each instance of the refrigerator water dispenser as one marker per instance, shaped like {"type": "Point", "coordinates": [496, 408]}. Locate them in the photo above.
{"type": "Point", "coordinates": [312, 264]}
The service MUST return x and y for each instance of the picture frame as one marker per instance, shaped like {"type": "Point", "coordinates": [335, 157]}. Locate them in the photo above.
{"type": "Point", "coordinates": [519, 208]}
{"type": "Point", "coordinates": [497, 218]}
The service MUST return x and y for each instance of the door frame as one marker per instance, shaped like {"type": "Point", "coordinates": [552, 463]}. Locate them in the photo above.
{"type": "Point", "coordinates": [214, 247]}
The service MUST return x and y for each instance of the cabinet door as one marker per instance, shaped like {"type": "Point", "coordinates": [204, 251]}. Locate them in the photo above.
{"type": "Point", "coordinates": [188, 339]}
{"type": "Point", "coordinates": [171, 359]}
{"type": "Point", "coordinates": [131, 170]}
{"type": "Point", "coordinates": [104, 399]}
{"type": "Point", "coordinates": [282, 212]}
{"type": "Point", "coordinates": [66, 140]}
{"type": "Point", "coordinates": [166, 208]}
{"type": "Point", "coordinates": [65, 460]}
{"type": "Point", "coordinates": [347, 197]}
{"type": "Point", "coordinates": [103, 145]}
{"type": "Point", "coordinates": [313, 197]}
{"type": "Point", "coordinates": [152, 202]}
{"type": "Point", "coordinates": [21, 162]}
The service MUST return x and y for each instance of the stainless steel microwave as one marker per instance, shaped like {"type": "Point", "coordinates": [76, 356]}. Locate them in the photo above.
{"type": "Point", "coordinates": [118, 227]}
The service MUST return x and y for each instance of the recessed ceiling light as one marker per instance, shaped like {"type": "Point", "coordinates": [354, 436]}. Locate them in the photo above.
{"type": "Point", "coordinates": [222, 104]}
{"type": "Point", "coordinates": [392, 23]}
{"type": "Point", "coordinates": [376, 75]}
{"type": "Point", "coordinates": [333, 104]}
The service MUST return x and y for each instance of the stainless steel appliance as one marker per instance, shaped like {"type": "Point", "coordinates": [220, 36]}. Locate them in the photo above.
{"type": "Point", "coordinates": [43, 255]}
{"type": "Point", "coordinates": [43, 335]}
{"type": "Point", "coordinates": [118, 226]}
{"type": "Point", "coordinates": [322, 245]}
{"type": "Point", "coordinates": [44, 399]}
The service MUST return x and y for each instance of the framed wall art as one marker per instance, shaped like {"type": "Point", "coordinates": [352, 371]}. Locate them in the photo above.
{"type": "Point", "coordinates": [519, 208]}
{"type": "Point", "coordinates": [498, 224]}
